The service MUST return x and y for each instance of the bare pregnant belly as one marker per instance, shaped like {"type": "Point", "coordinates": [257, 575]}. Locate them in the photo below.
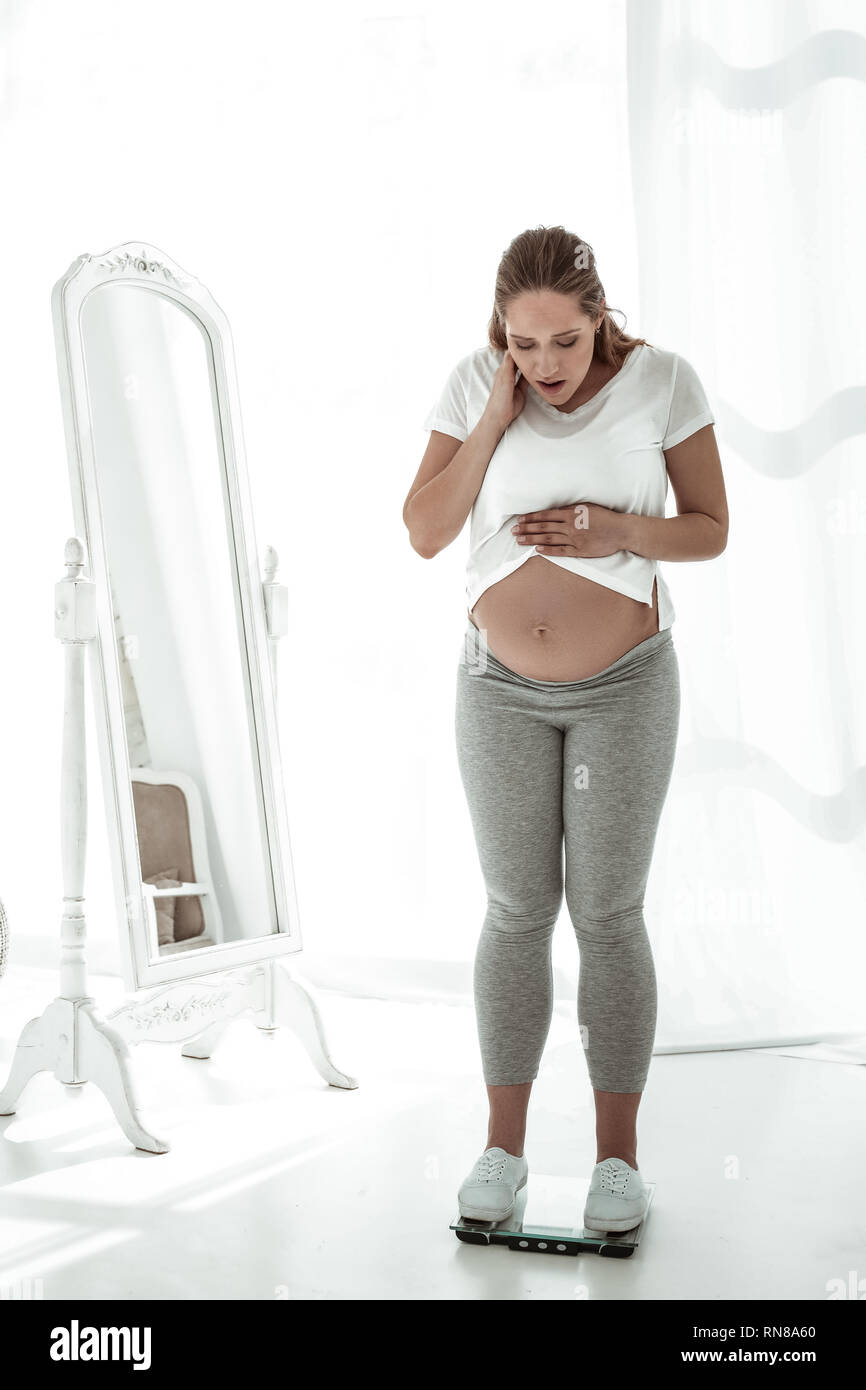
{"type": "Point", "coordinates": [547, 623]}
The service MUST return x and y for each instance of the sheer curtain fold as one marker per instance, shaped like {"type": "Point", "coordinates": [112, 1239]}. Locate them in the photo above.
{"type": "Point", "coordinates": [747, 221]}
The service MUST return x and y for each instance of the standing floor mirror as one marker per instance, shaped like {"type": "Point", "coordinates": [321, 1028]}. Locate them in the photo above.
{"type": "Point", "coordinates": [180, 631]}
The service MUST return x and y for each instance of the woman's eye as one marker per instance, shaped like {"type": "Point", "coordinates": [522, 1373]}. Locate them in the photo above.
{"type": "Point", "coordinates": [565, 345]}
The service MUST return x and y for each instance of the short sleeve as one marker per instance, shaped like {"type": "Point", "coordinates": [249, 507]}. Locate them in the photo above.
{"type": "Point", "coordinates": [449, 413]}
{"type": "Point", "coordinates": [689, 408]}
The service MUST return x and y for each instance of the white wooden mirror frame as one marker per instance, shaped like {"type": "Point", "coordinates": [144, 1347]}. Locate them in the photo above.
{"type": "Point", "coordinates": [138, 264]}
{"type": "Point", "coordinates": [71, 1037]}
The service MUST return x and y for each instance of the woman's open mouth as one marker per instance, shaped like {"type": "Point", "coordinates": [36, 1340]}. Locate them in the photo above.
{"type": "Point", "coordinates": [551, 387]}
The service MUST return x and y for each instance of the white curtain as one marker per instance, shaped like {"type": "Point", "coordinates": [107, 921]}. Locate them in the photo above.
{"type": "Point", "coordinates": [745, 122]}
{"type": "Point", "coordinates": [344, 182]}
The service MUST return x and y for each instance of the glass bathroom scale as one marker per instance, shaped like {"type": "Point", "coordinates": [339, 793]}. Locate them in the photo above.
{"type": "Point", "coordinates": [548, 1217]}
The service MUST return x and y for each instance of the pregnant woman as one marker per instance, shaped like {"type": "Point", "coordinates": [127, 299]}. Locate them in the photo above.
{"type": "Point", "coordinates": [559, 435]}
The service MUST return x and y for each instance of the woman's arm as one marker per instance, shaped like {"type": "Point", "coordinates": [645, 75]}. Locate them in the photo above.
{"type": "Point", "coordinates": [446, 485]}
{"type": "Point", "coordinates": [699, 531]}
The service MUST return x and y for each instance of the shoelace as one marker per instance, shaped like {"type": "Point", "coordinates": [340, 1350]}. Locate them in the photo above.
{"type": "Point", "coordinates": [490, 1167]}
{"type": "Point", "coordinates": [613, 1179]}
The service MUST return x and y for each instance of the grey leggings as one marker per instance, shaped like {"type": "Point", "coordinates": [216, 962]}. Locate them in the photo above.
{"type": "Point", "coordinates": [589, 763]}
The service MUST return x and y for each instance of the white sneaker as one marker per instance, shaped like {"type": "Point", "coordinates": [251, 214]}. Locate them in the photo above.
{"type": "Point", "coordinates": [490, 1191]}
{"type": "Point", "coordinates": [618, 1198]}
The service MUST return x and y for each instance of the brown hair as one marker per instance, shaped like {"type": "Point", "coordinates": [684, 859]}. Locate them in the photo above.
{"type": "Point", "coordinates": [551, 258]}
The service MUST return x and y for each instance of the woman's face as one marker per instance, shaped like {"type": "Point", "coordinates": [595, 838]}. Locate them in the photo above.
{"type": "Point", "coordinates": [551, 341]}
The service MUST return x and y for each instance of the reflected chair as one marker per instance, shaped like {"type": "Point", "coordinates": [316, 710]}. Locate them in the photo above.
{"type": "Point", "coordinates": [172, 848]}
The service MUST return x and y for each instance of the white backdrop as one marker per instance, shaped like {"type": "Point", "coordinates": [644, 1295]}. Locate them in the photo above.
{"type": "Point", "coordinates": [344, 183]}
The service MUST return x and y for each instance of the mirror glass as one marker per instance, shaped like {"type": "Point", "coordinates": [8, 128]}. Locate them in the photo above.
{"type": "Point", "coordinates": [191, 739]}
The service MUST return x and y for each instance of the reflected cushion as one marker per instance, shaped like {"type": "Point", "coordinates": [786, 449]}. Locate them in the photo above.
{"type": "Point", "coordinates": [166, 878]}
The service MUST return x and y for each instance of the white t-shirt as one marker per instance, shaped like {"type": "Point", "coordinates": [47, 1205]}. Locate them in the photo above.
{"type": "Point", "coordinates": [607, 451]}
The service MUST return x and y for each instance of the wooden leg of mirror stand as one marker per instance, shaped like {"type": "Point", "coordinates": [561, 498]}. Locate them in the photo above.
{"type": "Point", "coordinates": [74, 1042]}
{"type": "Point", "coordinates": [71, 1038]}
{"type": "Point", "coordinates": [294, 1007]}
{"type": "Point", "coordinates": [103, 1057]}
{"type": "Point", "coordinates": [204, 1044]}
{"type": "Point", "coordinates": [37, 1050]}
{"type": "Point", "coordinates": [287, 1002]}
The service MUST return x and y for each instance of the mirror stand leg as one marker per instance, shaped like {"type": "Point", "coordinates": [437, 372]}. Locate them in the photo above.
{"type": "Point", "coordinates": [294, 1007]}
{"type": "Point", "coordinates": [37, 1050]}
{"type": "Point", "coordinates": [70, 1038]}
{"type": "Point", "coordinates": [287, 1001]}
{"type": "Point", "coordinates": [103, 1057]}
{"type": "Point", "coordinates": [203, 1045]}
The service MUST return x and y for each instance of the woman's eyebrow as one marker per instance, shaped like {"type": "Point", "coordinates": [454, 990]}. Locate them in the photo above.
{"type": "Point", "coordinates": [564, 334]}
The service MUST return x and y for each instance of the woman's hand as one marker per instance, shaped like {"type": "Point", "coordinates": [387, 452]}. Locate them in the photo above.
{"type": "Point", "coordinates": [506, 400]}
{"type": "Point", "coordinates": [584, 530]}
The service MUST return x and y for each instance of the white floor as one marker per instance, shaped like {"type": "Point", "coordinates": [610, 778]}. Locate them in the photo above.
{"type": "Point", "coordinates": [279, 1186]}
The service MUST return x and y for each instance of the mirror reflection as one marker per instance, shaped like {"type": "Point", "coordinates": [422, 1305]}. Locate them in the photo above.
{"type": "Point", "coordinates": [181, 648]}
